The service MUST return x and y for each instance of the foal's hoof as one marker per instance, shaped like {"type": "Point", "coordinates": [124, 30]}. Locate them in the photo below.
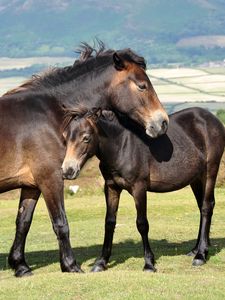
{"type": "Point", "coordinates": [23, 272]}
{"type": "Point", "coordinates": [199, 260]}
{"type": "Point", "coordinates": [73, 269]}
{"type": "Point", "coordinates": [149, 268]}
{"type": "Point", "coordinates": [76, 269]}
{"type": "Point", "coordinates": [98, 268]}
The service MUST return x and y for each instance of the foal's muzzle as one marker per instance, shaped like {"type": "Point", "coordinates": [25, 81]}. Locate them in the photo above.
{"type": "Point", "coordinates": [157, 125]}
{"type": "Point", "coordinates": [70, 169]}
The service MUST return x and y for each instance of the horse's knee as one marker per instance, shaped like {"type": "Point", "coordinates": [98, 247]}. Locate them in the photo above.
{"type": "Point", "coordinates": [110, 223]}
{"type": "Point", "coordinates": [142, 225]}
{"type": "Point", "coordinates": [61, 230]}
{"type": "Point", "coordinates": [207, 209]}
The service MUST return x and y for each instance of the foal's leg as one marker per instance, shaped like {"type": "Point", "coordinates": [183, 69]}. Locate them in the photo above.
{"type": "Point", "coordinates": [206, 216]}
{"type": "Point", "coordinates": [28, 201]}
{"type": "Point", "coordinates": [197, 188]}
{"type": "Point", "coordinates": [140, 197]}
{"type": "Point", "coordinates": [112, 195]}
{"type": "Point", "coordinates": [52, 190]}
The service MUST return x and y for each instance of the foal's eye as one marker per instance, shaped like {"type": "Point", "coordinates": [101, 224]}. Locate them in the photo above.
{"type": "Point", "coordinates": [86, 138]}
{"type": "Point", "coordinates": [141, 86]}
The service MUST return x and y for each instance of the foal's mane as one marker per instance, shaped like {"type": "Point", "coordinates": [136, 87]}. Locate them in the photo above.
{"type": "Point", "coordinates": [90, 58]}
{"type": "Point", "coordinates": [73, 113]}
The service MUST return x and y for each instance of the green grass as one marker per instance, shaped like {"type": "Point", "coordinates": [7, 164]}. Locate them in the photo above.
{"type": "Point", "coordinates": [174, 221]}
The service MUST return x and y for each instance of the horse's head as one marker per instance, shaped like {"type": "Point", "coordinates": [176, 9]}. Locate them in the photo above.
{"type": "Point", "coordinates": [81, 139]}
{"type": "Point", "coordinates": [133, 94]}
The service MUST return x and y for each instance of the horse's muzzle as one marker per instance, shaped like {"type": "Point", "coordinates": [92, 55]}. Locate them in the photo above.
{"type": "Point", "coordinates": [70, 170]}
{"type": "Point", "coordinates": [157, 125]}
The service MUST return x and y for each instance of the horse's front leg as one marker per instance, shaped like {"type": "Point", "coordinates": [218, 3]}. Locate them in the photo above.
{"type": "Point", "coordinates": [52, 189]}
{"type": "Point", "coordinates": [140, 197]}
{"type": "Point", "coordinates": [16, 259]}
{"type": "Point", "coordinates": [112, 195]}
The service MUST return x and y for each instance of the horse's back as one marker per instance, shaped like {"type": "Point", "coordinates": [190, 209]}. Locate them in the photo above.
{"type": "Point", "coordinates": [202, 127]}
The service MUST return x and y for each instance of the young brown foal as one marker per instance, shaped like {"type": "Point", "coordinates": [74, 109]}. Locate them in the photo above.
{"type": "Point", "coordinates": [188, 154]}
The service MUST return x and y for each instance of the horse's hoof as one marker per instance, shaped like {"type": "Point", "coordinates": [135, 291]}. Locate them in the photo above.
{"type": "Point", "coordinates": [78, 270]}
{"type": "Point", "coordinates": [74, 269]}
{"type": "Point", "coordinates": [198, 262]}
{"type": "Point", "coordinates": [23, 272]}
{"type": "Point", "coordinates": [149, 268]}
{"type": "Point", "coordinates": [98, 268]}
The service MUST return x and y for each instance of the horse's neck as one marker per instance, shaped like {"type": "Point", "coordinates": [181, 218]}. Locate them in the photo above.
{"type": "Point", "coordinates": [121, 130]}
{"type": "Point", "coordinates": [109, 126]}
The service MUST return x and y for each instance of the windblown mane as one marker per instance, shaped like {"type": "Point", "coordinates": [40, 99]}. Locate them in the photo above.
{"type": "Point", "coordinates": [90, 58]}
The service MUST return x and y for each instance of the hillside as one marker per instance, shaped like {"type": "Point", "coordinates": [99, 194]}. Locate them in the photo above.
{"type": "Point", "coordinates": [162, 31]}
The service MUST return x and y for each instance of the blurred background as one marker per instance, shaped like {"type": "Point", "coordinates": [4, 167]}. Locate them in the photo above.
{"type": "Point", "coordinates": [166, 32]}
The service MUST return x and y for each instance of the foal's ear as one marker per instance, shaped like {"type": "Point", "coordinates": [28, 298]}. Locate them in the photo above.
{"type": "Point", "coordinates": [118, 62]}
{"type": "Point", "coordinates": [96, 113]}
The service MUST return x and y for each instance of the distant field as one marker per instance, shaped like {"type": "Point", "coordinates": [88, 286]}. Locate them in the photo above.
{"type": "Point", "coordinates": [9, 83]}
{"type": "Point", "coordinates": [7, 64]}
{"type": "Point", "coordinates": [15, 63]}
{"type": "Point", "coordinates": [189, 84]}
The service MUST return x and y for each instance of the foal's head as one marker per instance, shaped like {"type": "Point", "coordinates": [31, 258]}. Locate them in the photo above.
{"type": "Point", "coordinates": [81, 136]}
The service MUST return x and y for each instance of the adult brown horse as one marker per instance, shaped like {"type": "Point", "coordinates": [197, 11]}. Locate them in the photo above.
{"type": "Point", "coordinates": [31, 144]}
{"type": "Point", "coordinates": [188, 154]}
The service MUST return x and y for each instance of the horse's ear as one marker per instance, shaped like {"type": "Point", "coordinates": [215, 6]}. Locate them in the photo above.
{"type": "Point", "coordinates": [118, 62]}
{"type": "Point", "coordinates": [96, 113]}
{"type": "Point", "coordinates": [108, 115]}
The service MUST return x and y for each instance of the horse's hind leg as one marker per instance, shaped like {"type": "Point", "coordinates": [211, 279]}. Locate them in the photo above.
{"type": "Point", "coordinates": [197, 188]}
{"type": "Point", "coordinates": [206, 207]}
{"type": "Point", "coordinates": [112, 195]}
{"type": "Point", "coordinates": [28, 201]}
{"type": "Point", "coordinates": [140, 196]}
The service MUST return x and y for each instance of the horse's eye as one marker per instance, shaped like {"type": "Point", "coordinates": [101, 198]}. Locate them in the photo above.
{"type": "Point", "coordinates": [141, 87]}
{"type": "Point", "coordinates": [86, 138]}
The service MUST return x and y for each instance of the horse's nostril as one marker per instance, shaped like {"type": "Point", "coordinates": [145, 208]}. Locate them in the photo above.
{"type": "Point", "coordinates": [164, 125]}
{"type": "Point", "coordinates": [70, 171]}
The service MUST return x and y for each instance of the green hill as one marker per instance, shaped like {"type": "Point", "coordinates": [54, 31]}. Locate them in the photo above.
{"type": "Point", "coordinates": [158, 29]}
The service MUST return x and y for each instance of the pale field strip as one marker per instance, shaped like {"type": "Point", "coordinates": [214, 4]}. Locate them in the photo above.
{"type": "Point", "coordinates": [9, 83]}
{"type": "Point", "coordinates": [21, 63]}
{"type": "Point", "coordinates": [178, 72]}
{"type": "Point", "coordinates": [172, 89]}
{"type": "Point", "coordinates": [194, 97]}
{"type": "Point", "coordinates": [215, 87]}
{"type": "Point", "coordinates": [200, 79]}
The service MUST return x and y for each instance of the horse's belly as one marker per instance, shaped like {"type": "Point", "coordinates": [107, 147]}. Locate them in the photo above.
{"type": "Point", "coordinates": [11, 178]}
{"type": "Point", "coordinates": [166, 177]}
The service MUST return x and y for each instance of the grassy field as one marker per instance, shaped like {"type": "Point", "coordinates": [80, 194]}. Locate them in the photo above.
{"type": "Point", "coordinates": [174, 223]}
